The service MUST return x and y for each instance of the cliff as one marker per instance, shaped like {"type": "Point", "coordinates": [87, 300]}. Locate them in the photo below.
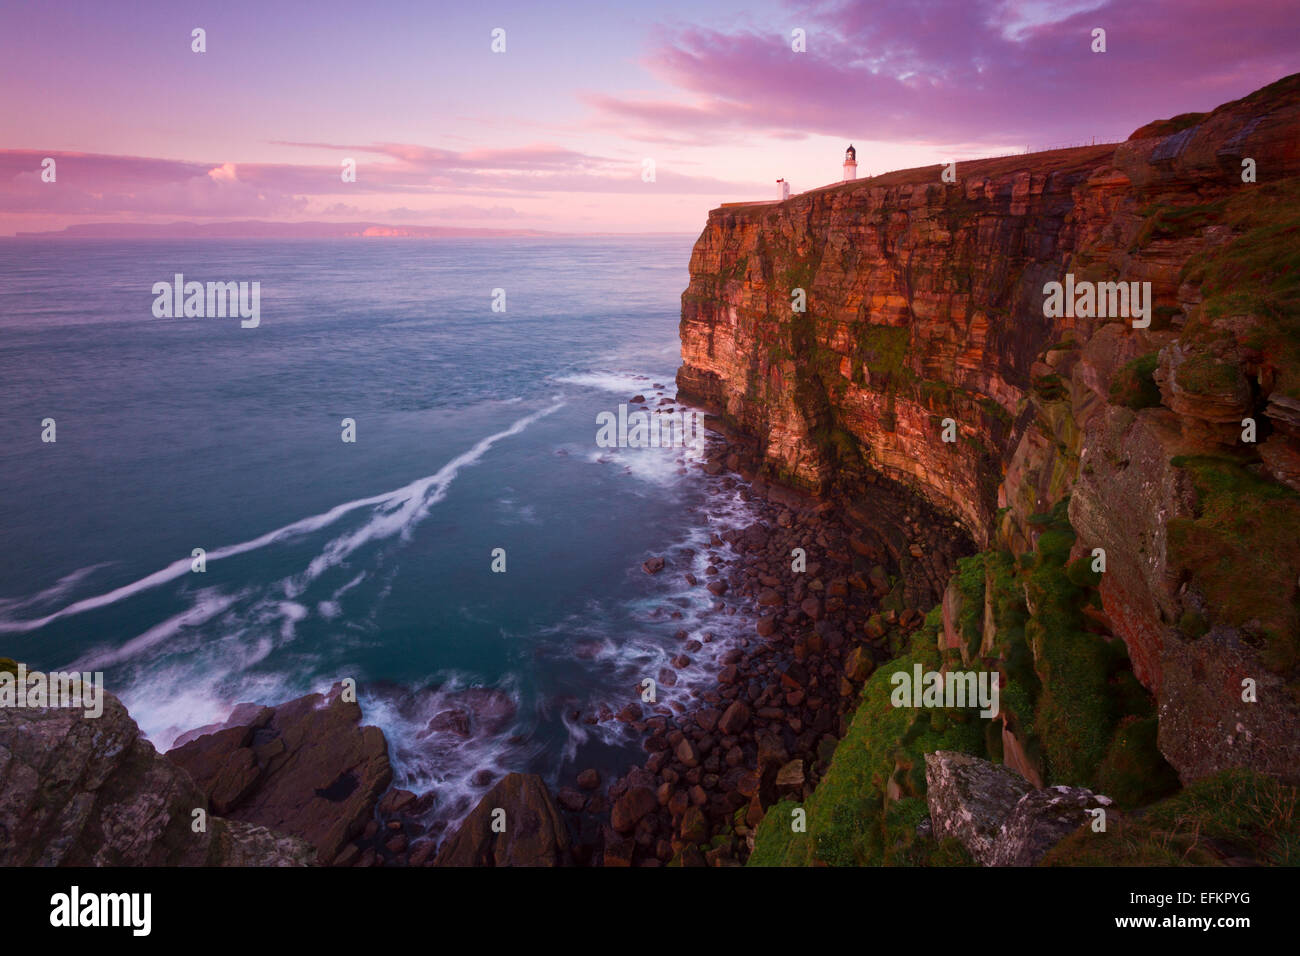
{"type": "Point", "coordinates": [78, 791]}
{"type": "Point", "coordinates": [1174, 448]}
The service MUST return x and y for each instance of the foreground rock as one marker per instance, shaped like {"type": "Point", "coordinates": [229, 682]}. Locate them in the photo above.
{"type": "Point", "coordinates": [533, 833]}
{"type": "Point", "coordinates": [996, 814]}
{"type": "Point", "coordinates": [970, 799]}
{"type": "Point", "coordinates": [93, 792]}
{"type": "Point", "coordinates": [1042, 819]}
{"type": "Point", "coordinates": [306, 767]}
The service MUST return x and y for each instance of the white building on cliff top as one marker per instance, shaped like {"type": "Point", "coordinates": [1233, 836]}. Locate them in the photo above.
{"type": "Point", "coordinates": [850, 164]}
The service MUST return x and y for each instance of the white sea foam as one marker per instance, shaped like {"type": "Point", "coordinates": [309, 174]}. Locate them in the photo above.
{"type": "Point", "coordinates": [395, 512]}
{"type": "Point", "coordinates": [625, 383]}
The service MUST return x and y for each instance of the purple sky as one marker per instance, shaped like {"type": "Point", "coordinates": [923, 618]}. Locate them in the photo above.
{"type": "Point", "coordinates": [552, 134]}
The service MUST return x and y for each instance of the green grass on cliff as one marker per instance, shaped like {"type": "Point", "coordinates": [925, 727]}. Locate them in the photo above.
{"type": "Point", "coordinates": [884, 350]}
{"type": "Point", "coordinates": [1167, 127]}
{"type": "Point", "coordinates": [1168, 221]}
{"type": "Point", "coordinates": [1133, 772]}
{"type": "Point", "coordinates": [1134, 385]}
{"type": "Point", "coordinates": [970, 584]}
{"type": "Point", "coordinates": [1203, 374]}
{"type": "Point", "coordinates": [849, 820]}
{"type": "Point", "coordinates": [1084, 687]}
{"type": "Point", "coordinates": [1242, 552]}
{"type": "Point", "coordinates": [1233, 816]}
{"type": "Point", "coordinates": [1068, 694]}
{"type": "Point", "coordinates": [1256, 273]}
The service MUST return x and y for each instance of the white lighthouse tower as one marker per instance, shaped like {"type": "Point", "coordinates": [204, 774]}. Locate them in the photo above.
{"type": "Point", "coordinates": [782, 190]}
{"type": "Point", "coordinates": [850, 164]}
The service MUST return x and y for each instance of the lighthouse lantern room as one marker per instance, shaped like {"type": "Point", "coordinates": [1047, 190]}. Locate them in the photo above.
{"type": "Point", "coordinates": [850, 164]}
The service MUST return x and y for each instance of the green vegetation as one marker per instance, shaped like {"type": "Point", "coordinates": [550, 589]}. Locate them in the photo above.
{"type": "Point", "coordinates": [1069, 696]}
{"type": "Point", "coordinates": [1134, 772]}
{"type": "Point", "coordinates": [1242, 551]}
{"type": "Point", "coordinates": [995, 411]}
{"type": "Point", "coordinates": [1050, 388]}
{"type": "Point", "coordinates": [799, 275]}
{"type": "Point", "coordinates": [1167, 127]}
{"type": "Point", "coordinates": [1234, 814]}
{"type": "Point", "coordinates": [1076, 712]}
{"type": "Point", "coordinates": [850, 822]}
{"type": "Point", "coordinates": [884, 350]}
{"type": "Point", "coordinates": [1134, 385]}
{"type": "Point", "coordinates": [1203, 374]}
{"type": "Point", "coordinates": [1166, 221]}
{"type": "Point", "coordinates": [1256, 273]}
{"type": "Point", "coordinates": [970, 584]}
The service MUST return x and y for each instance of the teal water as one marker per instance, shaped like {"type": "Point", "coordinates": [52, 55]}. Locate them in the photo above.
{"type": "Point", "coordinates": [475, 430]}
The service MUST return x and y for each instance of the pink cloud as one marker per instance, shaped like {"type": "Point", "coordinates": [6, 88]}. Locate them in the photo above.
{"type": "Point", "coordinates": [968, 70]}
{"type": "Point", "coordinates": [101, 185]}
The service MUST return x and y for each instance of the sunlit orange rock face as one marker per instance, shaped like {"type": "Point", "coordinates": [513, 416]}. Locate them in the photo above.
{"type": "Point", "coordinates": [924, 303]}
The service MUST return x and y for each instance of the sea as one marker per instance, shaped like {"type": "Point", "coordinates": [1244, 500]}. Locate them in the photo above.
{"type": "Point", "coordinates": [472, 560]}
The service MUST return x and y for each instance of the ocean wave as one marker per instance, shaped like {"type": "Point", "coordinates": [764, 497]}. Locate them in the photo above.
{"type": "Point", "coordinates": [396, 512]}
{"type": "Point", "coordinates": [624, 383]}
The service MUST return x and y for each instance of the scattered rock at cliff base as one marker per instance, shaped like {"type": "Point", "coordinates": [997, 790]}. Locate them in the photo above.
{"type": "Point", "coordinates": [631, 807]}
{"type": "Point", "coordinates": [93, 792]}
{"type": "Point", "coordinates": [534, 834]}
{"type": "Point", "coordinates": [306, 767]}
{"type": "Point", "coordinates": [997, 815]}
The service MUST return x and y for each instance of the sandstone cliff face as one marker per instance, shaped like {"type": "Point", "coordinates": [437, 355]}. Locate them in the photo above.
{"type": "Point", "coordinates": [925, 303]}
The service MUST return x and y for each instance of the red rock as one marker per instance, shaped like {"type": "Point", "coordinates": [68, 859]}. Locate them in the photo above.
{"type": "Point", "coordinates": [322, 782]}
{"type": "Point", "coordinates": [687, 753]}
{"type": "Point", "coordinates": [571, 799]}
{"type": "Point", "coordinates": [734, 719]}
{"type": "Point", "coordinates": [694, 827]}
{"type": "Point", "coordinates": [535, 833]}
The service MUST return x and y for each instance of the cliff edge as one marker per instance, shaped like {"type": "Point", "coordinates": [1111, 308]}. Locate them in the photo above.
{"type": "Point", "coordinates": [1167, 447]}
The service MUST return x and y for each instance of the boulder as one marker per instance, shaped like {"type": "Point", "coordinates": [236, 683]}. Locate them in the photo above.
{"type": "Point", "coordinates": [734, 719]}
{"type": "Point", "coordinates": [306, 767]}
{"type": "Point", "coordinates": [858, 664]}
{"type": "Point", "coordinates": [969, 799]}
{"type": "Point", "coordinates": [1040, 820]}
{"type": "Point", "coordinates": [78, 791]}
{"type": "Point", "coordinates": [631, 807]}
{"type": "Point", "coordinates": [534, 835]}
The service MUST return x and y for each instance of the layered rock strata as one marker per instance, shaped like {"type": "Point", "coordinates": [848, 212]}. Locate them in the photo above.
{"type": "Point", "coordinates": [925, 314]}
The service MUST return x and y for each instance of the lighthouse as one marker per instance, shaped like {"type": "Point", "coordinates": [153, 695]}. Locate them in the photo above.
{"type": "Point", "coordinates": [850, 164]}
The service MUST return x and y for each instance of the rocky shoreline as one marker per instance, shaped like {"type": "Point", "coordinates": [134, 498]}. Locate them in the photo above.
{"type": "Point", "coordinates": [830, 584]}
{"type": "Point", "coordinates": [875, 559]}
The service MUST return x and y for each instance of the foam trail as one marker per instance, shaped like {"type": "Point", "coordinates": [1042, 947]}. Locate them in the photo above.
{"type": "Point", "coordinates": [407, 505]}
{"type": "Point", "coordinates": [620, 382]}
{"type": "Point", "coordinates": [208, 606]}
{"type": "Point", "coordinates": [54, 591]}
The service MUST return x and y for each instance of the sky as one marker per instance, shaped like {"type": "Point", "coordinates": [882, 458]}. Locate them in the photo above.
{"type": "Point", "coordinates": [555, 132]}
